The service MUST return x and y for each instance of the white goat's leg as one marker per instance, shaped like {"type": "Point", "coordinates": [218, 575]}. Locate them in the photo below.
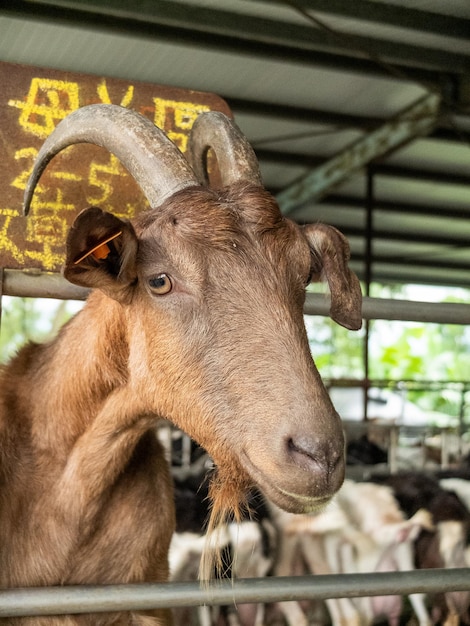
{"type": "Point", "coordinates": [356, 611]}
{"type": "Point", "coordinates": [322, 556]}
{"type": "Point", "coordinates": [404, 559]}
{"type": "Point", "coordinates": [418, 602]}
{"type": "Point", "coordinates": [334, 609]}
{"type": "Point", "coordinates": [339, 558]}
{"type": "Point", "coordinates": [204, 615]}
{"type": "Point", "coordinates": [292, 611]}
{"type": "Point", "coordinates": [233, 619]}
{"type": "Point", "coordinates": [363, 608]}
{"type": "Point", "coordinates": [329, 554]}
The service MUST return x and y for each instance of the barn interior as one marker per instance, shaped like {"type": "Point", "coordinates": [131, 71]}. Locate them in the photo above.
{"type": "Point", "coordinates": [359, 114]}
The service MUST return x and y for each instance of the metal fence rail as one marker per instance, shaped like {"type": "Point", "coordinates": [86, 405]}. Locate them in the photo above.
{"type": "Point", "coordinates": [398, 310]}
{"type": "Point", "coordinates": [96, 599]}
{"type": "Point", "coordinates": [40, 285]}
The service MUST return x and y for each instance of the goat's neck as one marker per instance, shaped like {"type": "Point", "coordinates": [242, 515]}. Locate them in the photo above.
{"type": "Point", "coordinates": [79, 369]}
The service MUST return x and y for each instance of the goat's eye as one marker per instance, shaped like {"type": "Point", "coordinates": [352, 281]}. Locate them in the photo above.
{"type": "Point", "coordinates": [161, 284]}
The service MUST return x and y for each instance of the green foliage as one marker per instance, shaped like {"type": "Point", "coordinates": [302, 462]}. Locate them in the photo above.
{"type": "Point", "coordinates": [30, 319]}
{"type": "Point", "coordinates": [398, 351]}
{"type": "Point", "coordinates": [338, 353]}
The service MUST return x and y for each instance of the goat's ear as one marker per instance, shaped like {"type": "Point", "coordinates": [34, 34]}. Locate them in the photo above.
{"type": "Point", "coordinates": [329, 251]}
{"type": "Point", "coordinates": [101, 253]}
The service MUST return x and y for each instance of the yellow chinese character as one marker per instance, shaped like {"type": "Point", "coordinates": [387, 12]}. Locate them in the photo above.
{"type": "Point", "coordinates": [48, 101]}
{"type": "Point", "coordinates": [6, 242]}
{"type": "Point", "coordinates": [24, 153]}
{"type": "Point", "coordinates": [48, 227]}
{"type": "Point", "coordinates": [29, 155]}
{"type": "Point", "coordinates": [103, 183]}
{"type": "Point", "coordinates": [176, 119]}
{"type": "Point", "coordinates": [103, 94]}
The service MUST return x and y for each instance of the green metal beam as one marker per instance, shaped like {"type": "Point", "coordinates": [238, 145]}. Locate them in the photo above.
{"type": "Point", "coordinates": [414, 121]}
{"type": "Point", "coordinates": [295, 159]}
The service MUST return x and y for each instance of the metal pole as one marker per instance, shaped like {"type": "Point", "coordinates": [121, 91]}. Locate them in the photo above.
{"type": "Point", "coordinates": [403, 310]}
{"type": "Point", "coordinates": [86, 599]}
{"type": "Point", "coordinates": [368, 279]}
{"type": "Point", "coordinates": [39, 285]}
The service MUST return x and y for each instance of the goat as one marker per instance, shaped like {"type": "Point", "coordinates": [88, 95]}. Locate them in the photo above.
{"type": "Point", "coordinates": [446, 545]}
{"type": "Point", "coordinates": [363, 451]}
{"type": "Point", "coordinates": [195, 316]}
{"type": "Point", "coordinates": [460, 486]}
{"type": "Point", "coordinates": [362, 531]}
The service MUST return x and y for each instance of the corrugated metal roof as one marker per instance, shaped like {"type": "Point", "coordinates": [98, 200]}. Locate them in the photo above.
{"type": "Point", "coordinates": [305, 79]}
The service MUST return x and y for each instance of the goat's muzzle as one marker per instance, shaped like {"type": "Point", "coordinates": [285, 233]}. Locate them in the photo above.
{"type": "Point", "coordinates": [304, 472]}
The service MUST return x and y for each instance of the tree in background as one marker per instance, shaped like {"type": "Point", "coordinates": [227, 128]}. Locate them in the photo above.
{"type": "Point", "coordinates": [398, 351]}
{"type": "Point", "coordinates": [31, 319]}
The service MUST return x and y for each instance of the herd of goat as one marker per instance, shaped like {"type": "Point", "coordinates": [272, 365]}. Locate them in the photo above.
{"type": "Point", "coordinates": [389, 523]}
{"type": "Point", "coordinates": [195, 317]}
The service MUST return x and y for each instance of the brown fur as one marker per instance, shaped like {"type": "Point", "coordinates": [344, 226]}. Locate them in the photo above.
{"type": "Point", "coordinates": [85, 492]}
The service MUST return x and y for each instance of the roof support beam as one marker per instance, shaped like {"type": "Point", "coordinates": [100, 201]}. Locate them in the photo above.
{"type": "Point", "coordinates": [229, 30]}
{"type": "Point", "coordinates": [296, 113]}
{"type": "Point", "coordinates": [391, 15]}
{"type": "Point", "coordinates": [396, 261]}
{"type": "Point", "coordinates": [418, 119]}
{"type": "Point", "coordinates": [453, 243]}
{"type": "Point", "coordinates": [295, 159]}
{"type": "Point", "coordinates": [388, 206]}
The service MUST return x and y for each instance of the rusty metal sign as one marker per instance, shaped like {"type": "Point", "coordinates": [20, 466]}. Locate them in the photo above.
{"type": "Point", "coordinates": [32, 101]}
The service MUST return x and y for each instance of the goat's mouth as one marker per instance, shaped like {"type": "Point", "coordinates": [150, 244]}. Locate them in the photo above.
{"type": "Point", "coordinates": [283, 498]}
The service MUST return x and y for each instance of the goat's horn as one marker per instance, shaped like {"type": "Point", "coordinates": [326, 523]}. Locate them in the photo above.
{"type": "Point", "coordinates": [235, 156]}
{"type": "Point", "coordinates": [145, 151]}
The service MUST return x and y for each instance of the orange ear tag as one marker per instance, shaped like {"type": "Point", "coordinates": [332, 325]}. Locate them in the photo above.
{"type": "Point", "coordinates": [100, 251]}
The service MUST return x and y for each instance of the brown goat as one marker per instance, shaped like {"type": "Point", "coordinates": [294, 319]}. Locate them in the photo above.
{"type": "Point", "coordinates": [195, 317]}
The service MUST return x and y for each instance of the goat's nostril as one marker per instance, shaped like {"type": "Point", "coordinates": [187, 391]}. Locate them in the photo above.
{"type": "Point", "coordinates": [302, 450]}
{"type": "Point", "coordinates": [295, 447]}
{"type": "Point", "coordinates": [312, 455]}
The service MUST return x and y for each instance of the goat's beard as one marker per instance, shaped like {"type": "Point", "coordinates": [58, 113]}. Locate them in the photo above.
{"type": "Point", "coordinates": [228, 496]}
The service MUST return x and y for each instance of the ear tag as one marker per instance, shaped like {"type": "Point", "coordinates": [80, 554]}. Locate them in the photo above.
{"type": "Point", "coordinates": [100, 251]}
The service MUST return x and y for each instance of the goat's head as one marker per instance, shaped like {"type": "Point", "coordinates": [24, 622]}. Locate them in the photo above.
{"type": "Point", "coordinates": [211, 285]}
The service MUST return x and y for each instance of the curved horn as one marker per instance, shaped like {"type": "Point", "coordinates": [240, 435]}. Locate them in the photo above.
{"type": "Point", "coordinates": [235, 156]}
{"type": "Point", "coordinates": [145, 151]}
